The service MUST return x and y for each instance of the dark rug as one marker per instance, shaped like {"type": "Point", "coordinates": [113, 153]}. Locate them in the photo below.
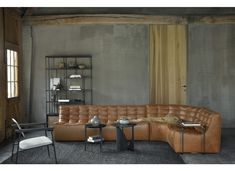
{"type": "Point", "coordinates": [73, 153]}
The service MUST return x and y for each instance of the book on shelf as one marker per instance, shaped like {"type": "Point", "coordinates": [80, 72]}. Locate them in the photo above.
{"type": "Point", "coordinates": [75, 89]}
{"type": "Point", "coordinates": [188, 123]}
{"type": "Point", "coordinates": [75, 86]}
{"type": "Point", "coordinates": [63, 100]}
{"type": "Point", "coordinates": [75, 76]}
{"type": "Point", "coordinates": [95, 138]}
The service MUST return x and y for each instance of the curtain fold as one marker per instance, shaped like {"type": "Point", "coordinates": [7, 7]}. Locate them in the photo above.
{"type": "Point", "coordinates": [167, 64]}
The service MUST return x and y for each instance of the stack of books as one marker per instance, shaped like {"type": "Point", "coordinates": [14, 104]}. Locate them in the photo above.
{"type": "Point", "coordinates": [75, 76]}
{"type": "Point", "coordinates": [95, 138]}
{"type": "Point", "coordinates": [75, 87]}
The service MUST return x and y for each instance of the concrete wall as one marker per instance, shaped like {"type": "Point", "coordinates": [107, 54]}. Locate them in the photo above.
{"type": "Point", "coordinates": [120, 64]}
{"type": "Point", "coordinates": [211, 69]}
{"type": "Point", "coordinates": [120, 61]}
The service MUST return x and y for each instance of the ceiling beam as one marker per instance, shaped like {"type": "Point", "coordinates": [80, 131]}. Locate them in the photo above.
{"type": "Point", "coordinates": [124, 19]}
{"type": "Point", "coordinates": [212, 19]}
{"type": "Point", "coordinates": [103, 19]}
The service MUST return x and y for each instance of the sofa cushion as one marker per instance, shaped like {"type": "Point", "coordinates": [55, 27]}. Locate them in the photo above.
{"type": "Point", "coordinates": [83, 114]}
{"type": "Point", "coordinates": [74, 114]}
{"type": "Point", "coordinates": [112, 114]}
{"type": "Point", "coordinates": [64, 114]}
{"type": "Point", "coordinates": [103, 114]}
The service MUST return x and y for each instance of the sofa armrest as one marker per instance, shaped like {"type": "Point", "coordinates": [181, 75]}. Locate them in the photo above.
{"type": "Point", "coordinates": [213, 133]}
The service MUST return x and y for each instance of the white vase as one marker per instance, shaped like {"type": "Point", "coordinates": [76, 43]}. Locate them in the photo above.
{"type": "Point", "coordinates": [95, 121]}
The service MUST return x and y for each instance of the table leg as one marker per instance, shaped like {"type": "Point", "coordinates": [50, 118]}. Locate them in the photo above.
{"type": "Point", "coordinates": [85, 141]}
{"type": "Point", "coordinates": [131, 147]}
{"type": "Point", "coordinates": [121, 142]}
{"type": "Point", "coordinates": [101, 140]}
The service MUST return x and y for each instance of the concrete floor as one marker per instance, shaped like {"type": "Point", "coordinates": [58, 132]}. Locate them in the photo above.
{"type": "Point", "coordinates": [226, 156]}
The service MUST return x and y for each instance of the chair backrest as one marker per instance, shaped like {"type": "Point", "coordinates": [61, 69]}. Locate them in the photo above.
{"type": "Point", "coordinates": [18, 126]}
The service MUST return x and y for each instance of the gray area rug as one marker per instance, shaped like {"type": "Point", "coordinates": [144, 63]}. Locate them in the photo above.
{"type": "Point", "coordinates": [73, 153]}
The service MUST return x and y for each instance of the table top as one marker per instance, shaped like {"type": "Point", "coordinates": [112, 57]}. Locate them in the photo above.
{"type": "Point", "coordinates": [89, 125]}
{"type": "Point", "coordinates": [123, 125]}
{"type": "Point", "coordinates": [189, 124]}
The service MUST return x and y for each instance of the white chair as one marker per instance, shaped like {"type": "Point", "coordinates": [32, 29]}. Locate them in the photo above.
{"type": "Point", "coordinates": [24, 143]}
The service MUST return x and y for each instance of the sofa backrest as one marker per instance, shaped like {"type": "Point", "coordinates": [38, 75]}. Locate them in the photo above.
{"type": "Point", "coordinates": [184, 112]}
{"type": "Point", "coordinates": [81, 114]}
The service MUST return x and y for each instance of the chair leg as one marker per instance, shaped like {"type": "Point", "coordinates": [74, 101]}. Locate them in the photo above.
{"type": "Point", "coordinates": [54, 153]}
{"type": "Point", "coordinates": [17, 153]}
{"type": "Point", "coordinates": [12, 152]}
{"type": "Point", "coordinates": [48, 150]}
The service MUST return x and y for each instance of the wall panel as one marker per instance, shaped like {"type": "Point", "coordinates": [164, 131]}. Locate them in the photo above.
{"type": "Point", "coordinates": [211, 69]}
{"type": "Point", "coordinates": [120, 61]}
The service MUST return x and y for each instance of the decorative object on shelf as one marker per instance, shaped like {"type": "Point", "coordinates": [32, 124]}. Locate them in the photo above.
{"type": "Point", "coordinates": [72, 65]}
{"type": "Point", "coordinates": [61, 65]}
{"type": "Point", "coordinates": [54, 82]}
{"type": "Point", "coordinates": [59, 87]}
{"type": "Point", "coordinates": [75, 76]}
{"type": "Point", "coordinates": [53, 96]}
{"type": "Point", "coordinates": [95, 121]}
{"type": "Point", "coordinates": [123, 121]}
{"type": "Point", "coordinates": [81, 66]}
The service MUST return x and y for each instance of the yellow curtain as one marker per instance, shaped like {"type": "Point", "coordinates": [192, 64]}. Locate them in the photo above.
{"type": "Point", "coordinates": [168, 64]}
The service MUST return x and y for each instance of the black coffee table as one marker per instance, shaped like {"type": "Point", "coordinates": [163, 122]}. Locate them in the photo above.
{"type": "Point", "coordinates": [100, 126]}
{"type": "Point", "coordinates": [121, 141]}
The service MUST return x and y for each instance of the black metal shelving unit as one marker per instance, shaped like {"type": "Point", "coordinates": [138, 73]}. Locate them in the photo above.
{"type": "Point", "coordinates": [58, 81]}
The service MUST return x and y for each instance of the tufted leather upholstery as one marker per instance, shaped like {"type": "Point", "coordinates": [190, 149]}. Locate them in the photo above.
{"type": "Point", "coordinates": [73, 117]}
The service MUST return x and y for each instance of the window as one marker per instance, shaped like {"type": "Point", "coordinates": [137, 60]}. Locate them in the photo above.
{"type": "Point", "coordinates": [12, 74]}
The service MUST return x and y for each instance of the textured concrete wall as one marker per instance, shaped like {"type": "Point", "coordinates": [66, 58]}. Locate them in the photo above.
{"type": "Point", "coordinates": [120, 61]}
{"type": "Point", "coordinates": [211, 69]}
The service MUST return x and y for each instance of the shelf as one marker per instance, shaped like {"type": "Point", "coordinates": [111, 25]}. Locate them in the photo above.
{"type": "Point", "coordinates": [75, 102]}
{"type": "Point", "coordinates": [59, 70]}
{"type": "Point", "coordinates": [67, 69]}
{"type": "Point", "coordinates": [52, 114]}
{"type": "Point", "coordinates": [69, 90]}
{"type": "Point", "coordinates": [83, 77]}
{"type": "Point", "coordinates": [71, 56]}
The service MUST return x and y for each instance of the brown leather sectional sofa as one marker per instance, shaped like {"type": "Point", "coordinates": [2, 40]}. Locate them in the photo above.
{"type": "Point", "coordinates": [72, 118]}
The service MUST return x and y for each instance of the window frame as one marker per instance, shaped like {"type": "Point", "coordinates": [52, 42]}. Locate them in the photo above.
{"type": "Point", "coordinates": [17, 66]}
